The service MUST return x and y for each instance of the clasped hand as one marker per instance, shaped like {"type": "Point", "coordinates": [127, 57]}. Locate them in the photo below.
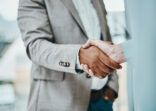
{"type": "Point", "coordinates": [99, 58]}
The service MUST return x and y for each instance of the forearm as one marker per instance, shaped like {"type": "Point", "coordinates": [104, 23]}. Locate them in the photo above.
{"type": "Point", "coordinates": [59, 57]}
{"type": "Point", "coordinates": [38, 38]}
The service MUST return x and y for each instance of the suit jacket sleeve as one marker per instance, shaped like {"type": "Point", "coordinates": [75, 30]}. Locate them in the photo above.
{"type": "Point", "coordinates": [38, 38]}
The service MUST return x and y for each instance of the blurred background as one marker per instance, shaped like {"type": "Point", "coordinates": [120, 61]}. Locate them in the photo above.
{"type": "Point", "coordinates": [15, 66]}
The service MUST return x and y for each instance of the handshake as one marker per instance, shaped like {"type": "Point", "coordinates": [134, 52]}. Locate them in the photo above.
{"type": "Point", "coordinates": [100, 58]}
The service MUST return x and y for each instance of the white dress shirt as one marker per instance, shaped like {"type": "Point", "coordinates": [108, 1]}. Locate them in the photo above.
{"type": "Point", "coordinates": [91, 24]}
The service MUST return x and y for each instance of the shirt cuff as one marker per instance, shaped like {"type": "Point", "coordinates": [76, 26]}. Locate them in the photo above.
{"type": "Point", "coordinates": [78, 67]}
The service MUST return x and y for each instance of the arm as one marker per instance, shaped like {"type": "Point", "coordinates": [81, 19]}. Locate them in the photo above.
{"type": "Point", "coordinates": [38, 38]}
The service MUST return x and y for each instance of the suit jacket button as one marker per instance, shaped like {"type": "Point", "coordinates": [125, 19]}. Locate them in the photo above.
{"type": "Point", "coordinates": [61, 63]}
{"type": "Point", "coordinates": [64, 64]}
{"type": "Point", "coordinates": [68, 64]}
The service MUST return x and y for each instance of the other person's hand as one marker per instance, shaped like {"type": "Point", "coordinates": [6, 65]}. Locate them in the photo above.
{"type": "Point", "coordinates": [115, 52]}
{"type": "Point", "coordinates": [97, 61]}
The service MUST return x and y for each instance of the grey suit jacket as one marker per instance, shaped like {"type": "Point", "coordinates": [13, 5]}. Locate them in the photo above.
{"type": "Point", "coordinates": [53, 34]}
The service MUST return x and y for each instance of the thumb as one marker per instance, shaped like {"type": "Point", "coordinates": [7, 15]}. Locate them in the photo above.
{"type": "Point", "coordinates": [87, 44]}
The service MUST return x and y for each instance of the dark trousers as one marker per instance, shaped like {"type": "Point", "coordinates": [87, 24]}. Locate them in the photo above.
{"type": "Point", "coordinates": [98, 103]}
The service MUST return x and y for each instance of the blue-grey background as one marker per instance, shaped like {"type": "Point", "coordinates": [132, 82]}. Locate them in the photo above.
{"type": "Point", "coordinates": [141, 16]}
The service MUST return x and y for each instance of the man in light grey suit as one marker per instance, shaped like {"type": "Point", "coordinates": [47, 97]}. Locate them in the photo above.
{"type": "Point", "coordinates": [53, 32]}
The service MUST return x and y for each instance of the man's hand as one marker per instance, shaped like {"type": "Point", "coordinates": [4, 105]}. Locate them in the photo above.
{"type": "Point", "coordinates": [97, 61]}
{"type": "Point", "coordinates": [109, 94]}
{"type": "Point", "coordinates": [115, 52]}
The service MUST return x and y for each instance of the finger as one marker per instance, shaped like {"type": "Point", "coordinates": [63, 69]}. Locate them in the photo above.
{"type": "Point", "coordinates": [113, 64]}
{"type": "Point", "coordinates": [82, 65]}
{"type": "Point", "coordinates": [105, 68]}
{"type": "Point", "coordinates": [88, 70]}
{"type": "Point", "coordinates": [91, 72]}
{"type": "Point", "coordinates": [103, 74]}
{"type": "Point", "coordinates": [123, 58]}
{"type": "Point", "coordinates": [109, 62]}
{"type": "Point", "coordinates": [87, 44]}
{"type": "Point", "coordinates": [118, 57]}
{"type": "Point", "coordinates": [99, 73]}
{"type": "Point", "coordinates": [85, 68]}
{"type": "Point", "coordinates": [117, 54]}
{"type": "Point", "coordinates": [91, 42]}
{"type": "Point", "coordinates": [94, 70]}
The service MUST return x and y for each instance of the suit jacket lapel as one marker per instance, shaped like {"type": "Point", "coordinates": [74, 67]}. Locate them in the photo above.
{"type": "Point", "coordinates": [69, 4]}
{"type": "Point", "coordinates": [101, 12]}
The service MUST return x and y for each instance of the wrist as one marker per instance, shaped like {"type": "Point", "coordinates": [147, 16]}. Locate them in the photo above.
{"type": "Point", "coordinates": [80, 55]}
{"type": "Point", "coordinates": [78, 65]}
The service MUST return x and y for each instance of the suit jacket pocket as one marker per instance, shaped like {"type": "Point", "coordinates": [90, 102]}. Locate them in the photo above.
{"type": "Point", "coordinates": [42, 73]}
